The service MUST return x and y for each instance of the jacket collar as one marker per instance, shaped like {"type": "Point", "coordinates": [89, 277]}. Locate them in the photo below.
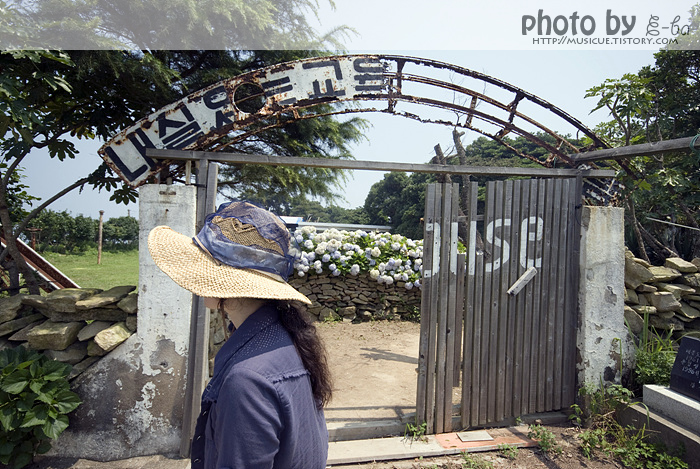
{"type": "Point", "coordinates": [265, 316]}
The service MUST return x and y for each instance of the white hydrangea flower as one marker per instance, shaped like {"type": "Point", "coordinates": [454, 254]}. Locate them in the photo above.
{"type": "Point", "coordinates": [355, 269]}
{"type": "Point", "coordinates": [308, 244]}
{"type": "Point", "coordinates": [409, 285]}
{"type": "Point", "coordinates": [374, 274]}
{"type": "Point", "coordinates": [326, 258]}
{"type": "Point", "coordinates": [376, 252]}
{"type": "Point", "coordinates": [395, 246]}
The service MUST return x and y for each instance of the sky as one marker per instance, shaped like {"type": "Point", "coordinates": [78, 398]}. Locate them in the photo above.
{"type": "Point", "coordinates": [480, 36]}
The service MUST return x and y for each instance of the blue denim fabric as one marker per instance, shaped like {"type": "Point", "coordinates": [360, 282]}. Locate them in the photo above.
{"type": "Point", "coordinates": [258, 411]}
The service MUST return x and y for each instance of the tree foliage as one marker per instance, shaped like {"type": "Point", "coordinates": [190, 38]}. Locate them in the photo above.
{"type": "Point", "coordinates": [657, 103]}
{"type": "Point", "coordinates": [49, 99]}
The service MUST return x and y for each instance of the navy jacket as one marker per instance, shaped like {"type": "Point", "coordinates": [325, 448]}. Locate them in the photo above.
{"type": "Point", "coordinates": [258, 410]}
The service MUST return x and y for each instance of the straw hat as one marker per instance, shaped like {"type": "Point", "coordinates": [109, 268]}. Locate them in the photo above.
{"type": "Point", "coordinates": [241, 252]}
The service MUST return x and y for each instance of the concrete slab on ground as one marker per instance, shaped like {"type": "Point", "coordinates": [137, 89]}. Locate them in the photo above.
{"type": "Point", "coordinates": [386, 449]}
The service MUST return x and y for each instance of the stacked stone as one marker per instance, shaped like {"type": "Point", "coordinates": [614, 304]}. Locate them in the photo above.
{"type": "Point", "coordinates": [669, 295]}
{"type": "Point", "coordinates": [355, 299]}
{"type": "Point", "coordinates": [73, 325]}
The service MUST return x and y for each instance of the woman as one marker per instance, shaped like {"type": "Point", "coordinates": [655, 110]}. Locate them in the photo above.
{"type": "Point", "coordinates": [263, 407]}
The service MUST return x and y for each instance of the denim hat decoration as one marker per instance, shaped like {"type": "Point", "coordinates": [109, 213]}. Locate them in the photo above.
{"type": "Point", "coordinates": [242, 251]}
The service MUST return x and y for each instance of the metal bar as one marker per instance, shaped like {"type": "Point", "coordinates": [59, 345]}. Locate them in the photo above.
{"type": "Point", "coordinates": [673, 224]}
{"type": "Point", "coordinates": [268, 160]}
{"type": "Point", "coordinates": [194, 386]}
{"type": "Point", "coordinates": [632, 150]}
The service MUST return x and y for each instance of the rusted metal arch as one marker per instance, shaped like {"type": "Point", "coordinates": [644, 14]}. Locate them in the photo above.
{"type": "Point", "coordinates": [291, 91]}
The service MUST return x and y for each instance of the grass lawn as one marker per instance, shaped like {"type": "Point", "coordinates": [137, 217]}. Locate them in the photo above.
{"type": "Point", "coordinates": [116, 269]}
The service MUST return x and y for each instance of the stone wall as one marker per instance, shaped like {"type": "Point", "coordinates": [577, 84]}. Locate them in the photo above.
{"type": "Point", "coordinates": [669, 295]}
{"type": "Point", "coordinates": [73, 325]}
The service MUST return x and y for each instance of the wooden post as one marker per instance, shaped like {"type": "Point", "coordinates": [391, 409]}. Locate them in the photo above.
{"type": "Point", "coordinates": [198, 360]}
{"type": "Point", "coordinates": [99, 239]}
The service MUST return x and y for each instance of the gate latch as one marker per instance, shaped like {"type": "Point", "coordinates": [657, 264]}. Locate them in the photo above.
{"type": "Point", "coordinates": [522, 281]}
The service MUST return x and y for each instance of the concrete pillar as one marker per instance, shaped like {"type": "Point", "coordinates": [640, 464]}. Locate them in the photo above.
{"type": "Point", "coordinates": [603, 342]}
{"type": "Point", "coordinates": [133, 398]}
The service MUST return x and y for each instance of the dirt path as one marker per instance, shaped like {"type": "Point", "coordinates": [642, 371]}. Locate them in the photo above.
{"type": "Point", "coordinates": [374, 372]}
{"type": "Point", "coordinates": [374, 369]}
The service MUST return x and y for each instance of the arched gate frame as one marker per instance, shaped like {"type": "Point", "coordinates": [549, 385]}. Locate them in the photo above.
{"type": "Point", "coordinates": [206, 125]}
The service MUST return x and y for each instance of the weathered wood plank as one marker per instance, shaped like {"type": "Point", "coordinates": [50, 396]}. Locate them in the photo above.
{"type": "Point", "coordinates": [442, 318]}
{"type": "Point", "coordinates": [430, 404]}
{"type": "Point", "coordinates": [515, 304]}
{"type": "Point", "coordinates": [506, 332]}
{"type": "Point", "coordinates": [469, 333]}
{"type": "Point", "coordinates": [562, 247]}
{"type": "Point", "coordinates": [270, 160]}
{"type": "Point", "coordinates": [426, 299]}
{"type": "Point", "coordinates": [575, 213]}
{"type": "Point", "coordinates": [549, 272]}
{"type": "Point", "coordinates": [451, 298]}
{"type": "Point", "coordinates": [526, 253]}
{"type": "Point", "coordinates": [538, 316]}
{"type": "Point", "coordinates": [497, 364]}
{"type": "Point", "coordinates": [459, 317]}
{"type": "Point", "coordinates": [486, 336]}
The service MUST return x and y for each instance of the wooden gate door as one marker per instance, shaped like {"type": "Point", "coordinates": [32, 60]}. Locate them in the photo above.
{"type": "Point", "coordinates": [518, 316]}
{"type": "Point", "coordinates": [521, 300]}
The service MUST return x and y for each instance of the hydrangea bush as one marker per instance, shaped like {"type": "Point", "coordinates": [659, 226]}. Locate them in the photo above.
{"type": "Point", "coordinates": [387, 258]}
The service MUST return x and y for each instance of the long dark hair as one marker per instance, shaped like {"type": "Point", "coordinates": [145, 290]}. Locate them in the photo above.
{"type": "Point", "coordinates": [310, 348]}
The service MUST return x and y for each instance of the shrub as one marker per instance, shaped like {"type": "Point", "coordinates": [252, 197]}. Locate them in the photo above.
{"type": "Point", "coordinates": [34, 400]}
{"type": "Point", "coordinates": [387, 258]}
{"type": "Point", "coordinates": [654, 357]}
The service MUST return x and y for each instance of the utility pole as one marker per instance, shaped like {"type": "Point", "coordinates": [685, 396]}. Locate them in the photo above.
{"type": "Point", "coordinates": [99, 239]}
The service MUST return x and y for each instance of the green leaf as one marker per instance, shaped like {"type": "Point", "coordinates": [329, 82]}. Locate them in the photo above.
{"type": "Point", "coordinates": [34, 417]}
{"type": "Point", "coordinates": [6, 448]}
{"type": "Point", "coordinates": [55, 370]}
{"type": "Point", "coordinates": [16, 382]}
{"type": "Point", "coordinates": [43, 447]}
{"type": "Point", "coordinates": [7, 415]}
{"type": "Point", "coordinates": [68, 401]}
{"type": "Point", "coordinates": [54, 428]}
{"type": "Point", "coordinates": [22, 460]}
{"type": "Point", "coordinates": [35, 385]}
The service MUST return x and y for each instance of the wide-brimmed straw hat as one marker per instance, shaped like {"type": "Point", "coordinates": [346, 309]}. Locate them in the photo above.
{"type": "Point", "coordinates": [242, 251]}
